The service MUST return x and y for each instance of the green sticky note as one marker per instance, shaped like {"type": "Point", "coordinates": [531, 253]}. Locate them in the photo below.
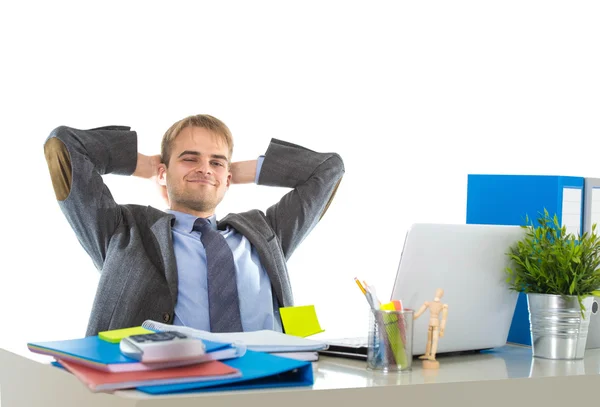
{"type": "Point", "coordinates": [116, 335]}
{"type": "Point", "coordinates": [300, 321]}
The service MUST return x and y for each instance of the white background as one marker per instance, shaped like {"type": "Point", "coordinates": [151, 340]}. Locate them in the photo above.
{"type": "Point", "coordinates": [413, 95]}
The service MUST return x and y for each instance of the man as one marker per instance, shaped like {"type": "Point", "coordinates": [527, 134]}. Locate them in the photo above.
{"type": "Point", "coordinates": [183, 266]}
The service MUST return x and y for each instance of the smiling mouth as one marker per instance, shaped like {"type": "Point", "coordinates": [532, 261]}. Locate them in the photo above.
{"type": "Point", "coordinates": [200, 181]}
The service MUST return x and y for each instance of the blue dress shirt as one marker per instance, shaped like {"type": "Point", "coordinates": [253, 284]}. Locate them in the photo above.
{"type": "Point", "coordinates": [258, 305]}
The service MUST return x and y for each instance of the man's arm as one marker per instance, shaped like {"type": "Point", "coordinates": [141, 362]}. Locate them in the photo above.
{"type": "Point", "coordinates": [147, 167]}
{"type": "Point", "coordinates": [313, 177]}
{"type": "Point", "coordinates": [76, 160]}
{"type": "Point", "coordinates": [243, 172]}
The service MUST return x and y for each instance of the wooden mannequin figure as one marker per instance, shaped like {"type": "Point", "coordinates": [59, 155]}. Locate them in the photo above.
{"type": "Point", "coordinates": [436, 328]}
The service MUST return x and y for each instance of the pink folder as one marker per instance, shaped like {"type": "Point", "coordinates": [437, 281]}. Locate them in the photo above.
{"type": "Point", "coordinates": [98, 380]}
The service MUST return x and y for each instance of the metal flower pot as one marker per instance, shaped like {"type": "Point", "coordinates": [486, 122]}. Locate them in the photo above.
{"type": "Point", "coordinates": [558, 330]}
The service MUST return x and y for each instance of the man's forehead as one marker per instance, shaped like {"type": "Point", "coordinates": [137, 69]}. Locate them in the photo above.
{"type": "Point", "coordinates": [200, 140]}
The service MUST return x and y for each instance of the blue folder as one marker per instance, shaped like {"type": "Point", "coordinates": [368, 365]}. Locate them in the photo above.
{"type": "Point", "coordinates": [259, 370]}
{"type": "Point", "coordinates": [95, 350]}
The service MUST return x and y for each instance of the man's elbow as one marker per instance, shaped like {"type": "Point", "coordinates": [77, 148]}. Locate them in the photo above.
{"type": "Point", "coordinates": [336, 164]}
{"type": "Point", "coordinates": [58, 160]}
{"type": "Point", "coordinates": [336, 172]}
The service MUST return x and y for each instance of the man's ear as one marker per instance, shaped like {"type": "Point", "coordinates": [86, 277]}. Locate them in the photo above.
{"type": "Point", "coordinates": [162, 175]}
{"type": "Point", "coordinates": [229, 176]}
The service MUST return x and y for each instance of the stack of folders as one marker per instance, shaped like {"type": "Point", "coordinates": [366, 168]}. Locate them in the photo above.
{"type": "Point", "coordinates": [232, 361]}
{"type": "Point", "coordinates": [268, 341]}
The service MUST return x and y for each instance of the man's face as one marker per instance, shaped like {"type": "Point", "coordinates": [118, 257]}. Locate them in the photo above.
{"type": "Point", "coordinates": [198, 173]}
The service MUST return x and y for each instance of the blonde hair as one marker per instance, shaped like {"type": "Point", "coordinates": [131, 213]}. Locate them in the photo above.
{"type": "Point", "coordinates": [200, 120]}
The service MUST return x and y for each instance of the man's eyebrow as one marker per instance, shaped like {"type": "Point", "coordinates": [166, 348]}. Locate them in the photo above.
{"type": "Point", "coordinates": [188, 152]}
{"type": "Point", "coordinates": [219, 157]}
{"type": "Point", "coordinates": [197, 153]}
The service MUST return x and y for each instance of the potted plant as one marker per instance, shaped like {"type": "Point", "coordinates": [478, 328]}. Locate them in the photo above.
{"type": "Point", "coordinates": [559, 273]}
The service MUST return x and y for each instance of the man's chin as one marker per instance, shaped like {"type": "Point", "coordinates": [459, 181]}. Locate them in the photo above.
{"type": "Point", "coordinates": [195, 203]}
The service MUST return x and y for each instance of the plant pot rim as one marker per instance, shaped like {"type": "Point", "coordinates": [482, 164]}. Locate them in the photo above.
{"type": "Point", "coordinates": [560, 295]}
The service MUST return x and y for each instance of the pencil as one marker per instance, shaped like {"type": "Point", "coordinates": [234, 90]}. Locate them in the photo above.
{"type": "Point", "coordinates": [362, 289]}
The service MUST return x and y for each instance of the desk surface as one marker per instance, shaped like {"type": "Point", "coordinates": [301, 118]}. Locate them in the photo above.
{"type": "Point", "coordinates": [497, 377]}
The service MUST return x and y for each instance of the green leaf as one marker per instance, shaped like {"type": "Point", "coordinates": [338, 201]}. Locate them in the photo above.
{"type": "Point", "coordinates": [550, 260]}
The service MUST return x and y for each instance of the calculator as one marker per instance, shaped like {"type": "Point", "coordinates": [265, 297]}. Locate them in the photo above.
{"type": "Point", "coordinates": [162, 347]}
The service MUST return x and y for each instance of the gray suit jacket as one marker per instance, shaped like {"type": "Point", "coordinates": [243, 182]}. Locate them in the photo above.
{"type": "Point", "coordinates": [132, 245]}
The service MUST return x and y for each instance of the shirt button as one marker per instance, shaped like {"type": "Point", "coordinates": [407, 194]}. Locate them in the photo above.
{"type": "Point", "coordinates": [166, 317]}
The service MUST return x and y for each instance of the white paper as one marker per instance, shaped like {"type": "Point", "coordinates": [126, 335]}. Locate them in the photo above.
{"type": "Point", "coordinates": [595, 210]}
{"type": "Point", "coordinates": [571, 210]}
{"type": "Point", "coordinates": [264, 340]}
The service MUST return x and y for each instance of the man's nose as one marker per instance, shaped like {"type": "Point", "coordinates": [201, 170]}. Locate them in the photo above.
{"type": "Point", "coordinates": [203, 167]}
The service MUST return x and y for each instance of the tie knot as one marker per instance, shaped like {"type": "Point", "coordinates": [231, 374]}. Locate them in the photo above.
{"type": "Point", "coordinates": [201, 224]}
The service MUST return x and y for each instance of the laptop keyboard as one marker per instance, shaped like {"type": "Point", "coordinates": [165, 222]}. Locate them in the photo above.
{"type": "Point", "coordinates": [357, 342]}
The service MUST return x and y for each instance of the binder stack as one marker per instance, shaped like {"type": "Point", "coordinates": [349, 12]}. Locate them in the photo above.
{"type": "Point", "coordinates": [500, 199]}
{"type": "Point", "coordinates": [237, 361]}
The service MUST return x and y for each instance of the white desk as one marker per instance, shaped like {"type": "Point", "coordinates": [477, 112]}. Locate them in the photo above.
{"type": "Point", "coordinates": [506, 376]}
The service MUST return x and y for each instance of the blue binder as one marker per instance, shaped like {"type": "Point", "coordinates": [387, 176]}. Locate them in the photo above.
{"type": "Point", "coordinates": [259, 370]}
{"type": "Point", "coordinates": [500, 199]}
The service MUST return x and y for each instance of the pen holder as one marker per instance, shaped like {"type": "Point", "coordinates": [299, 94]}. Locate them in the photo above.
{"type": "Point", "coordinates": [390, 340]}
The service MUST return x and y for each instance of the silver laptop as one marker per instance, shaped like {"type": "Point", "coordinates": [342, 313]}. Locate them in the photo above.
{"type": "Point", "coordinates": [468, 262]}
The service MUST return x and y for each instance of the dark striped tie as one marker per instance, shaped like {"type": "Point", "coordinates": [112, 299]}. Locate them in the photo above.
{"type": "Point", "coordinates": [223, 300]}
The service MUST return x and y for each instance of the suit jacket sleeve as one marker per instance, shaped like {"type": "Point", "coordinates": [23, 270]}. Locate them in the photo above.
{"type": "Point", "coordinates": [314, 178]}
{"type": "Point", "coordinates": [77, 159]}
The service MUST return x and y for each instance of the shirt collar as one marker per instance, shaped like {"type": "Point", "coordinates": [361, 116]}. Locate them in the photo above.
{"type": "Point", "coordinates": [184, 222]}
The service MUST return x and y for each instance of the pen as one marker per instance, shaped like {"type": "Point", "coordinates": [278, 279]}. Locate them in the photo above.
{"type": "Point", "coordinates": [368, 295]}
{"type": "Point", "coordinates": [372, 302]}
{"type": "Point", "coordinates": [371, 290]}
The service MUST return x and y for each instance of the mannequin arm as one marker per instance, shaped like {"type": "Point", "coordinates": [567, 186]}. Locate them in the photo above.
{"type": "Point", "coordinates": [421, 310]}
{"type": "Point", "coordinates": [444, 317]}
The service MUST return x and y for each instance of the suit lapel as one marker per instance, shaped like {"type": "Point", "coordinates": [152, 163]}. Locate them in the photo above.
{"type": "Point", "coordinates": [160, 224]}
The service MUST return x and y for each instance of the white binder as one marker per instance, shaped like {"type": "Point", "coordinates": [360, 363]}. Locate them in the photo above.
{"type": "Point", "coordinates": [591, 215]}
